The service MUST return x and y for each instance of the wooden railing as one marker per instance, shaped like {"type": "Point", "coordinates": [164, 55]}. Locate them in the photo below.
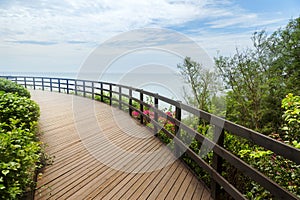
{"type": "Point", "coordinates": [104, 91]}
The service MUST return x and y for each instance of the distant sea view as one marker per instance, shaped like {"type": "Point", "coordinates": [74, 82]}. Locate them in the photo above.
{"type": "Point", "coordinates": [43, 74]}
{"type": "Point", "coordinates": [168, 85]}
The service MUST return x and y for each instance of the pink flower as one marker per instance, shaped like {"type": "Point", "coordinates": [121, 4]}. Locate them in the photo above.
{"type": "Point", "coordinates": [149, 113]}
{"type": "Point", "coordinates": [169, 113]}
{"type": "Point", "coordinates": [135, 114]}
{"type": "Point", "coordinates": [146, 112]}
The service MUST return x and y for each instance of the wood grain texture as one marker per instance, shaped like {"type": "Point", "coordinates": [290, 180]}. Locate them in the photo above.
{"type": "Point", "coordinates": [77, 172]}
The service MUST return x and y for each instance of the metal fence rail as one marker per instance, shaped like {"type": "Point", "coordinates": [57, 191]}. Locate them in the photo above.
{"type": "Point", "coordinates": [123, 97]}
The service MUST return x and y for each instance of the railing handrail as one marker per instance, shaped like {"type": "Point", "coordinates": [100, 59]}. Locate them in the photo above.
{"type": "Point", "coordinates": [219, 152]}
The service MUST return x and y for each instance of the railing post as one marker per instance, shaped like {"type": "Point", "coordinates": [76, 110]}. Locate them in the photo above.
{"type": "Point", "coordinates": [51, 84]}
{"type": "Point", "coordinates": [101, 85]}
{"type": "Point", "coordinates": [43, 87]}
{"type": "Point", "coordinates": [130, 102]}
{"type": "Point", "coordinates": [76, 87]}
{"type": "Point", "coordinates": [25, 84]}
{"type": "Point", "coordinates": [217, 162]}
{"type": "Point", "coordinates": [141, 106]}
{"type": "Point", "coordinates": [33, 79]}
{"type": "Point", "coordinates": [120, 97]}
{"type": "Point", "coordinates": [93, 91]}
{"type": "Point", "coordinates": [110, 94]}
{"type": "Point", "coordinates": [155, 113]}
{"type": "Point", "coordinates": [177, 128]}
{"type": "Point", "coordinates": [58, 80]}
{"type": "Point", "coordinates": [178, 117]}
{"type": "Point", "coordinates": [68, 86]}
{"type": "Point", "coordinates": [83, 85]}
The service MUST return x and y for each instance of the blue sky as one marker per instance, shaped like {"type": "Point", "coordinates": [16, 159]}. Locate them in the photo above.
{"type": "Point", "coordinates": [59, 35]}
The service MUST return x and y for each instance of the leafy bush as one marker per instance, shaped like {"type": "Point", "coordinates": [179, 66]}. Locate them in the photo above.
{"type": "Point", "coordinates": [19, 149]}
{"type": "Point", "coordinates": [283, 171]}
{"type": "Point", "coordinates": [18, 108]}
{"type": "Point", "coordinates": [19, 152]}
{"type": "Point", "coordinates": [12, 87]}
{"type": "Point", "coordinates": [291, 116]}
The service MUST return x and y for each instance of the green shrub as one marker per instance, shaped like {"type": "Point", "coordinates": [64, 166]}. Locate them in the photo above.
{"type": "Point", "coordinates": [19, 153]}
{"type": "Point", "coordinates": [18, 108]}
{"type": "Point", "coordinates": [291, 117]}
{"type": "Point", "coordinates": [12, 87]}
{"type": "Point", "coordinates": [20, 150]}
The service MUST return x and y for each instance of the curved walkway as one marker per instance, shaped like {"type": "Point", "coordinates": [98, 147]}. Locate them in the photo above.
{"type": "Point", "coordinates": [86, 166]}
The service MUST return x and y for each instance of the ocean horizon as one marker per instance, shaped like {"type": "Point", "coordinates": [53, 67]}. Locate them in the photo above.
{"type": "Point", "coordinates": [168, 85]}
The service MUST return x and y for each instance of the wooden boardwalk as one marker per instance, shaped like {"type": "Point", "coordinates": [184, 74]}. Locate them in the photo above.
{"type": "Point", "coordinates": [80, 171]}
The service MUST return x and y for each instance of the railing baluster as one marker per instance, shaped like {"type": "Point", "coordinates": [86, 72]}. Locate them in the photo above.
{"type": "Point", "coordinates": [68, 86]}
{"type": "Point", "coordinates": [130, 102]}
{"type": "Point", "coordinates": [155, 113]}
{"type": "Point", "coordinates": [110, 94]}
{"type": "Point", "coordinates": [43, 87]}
{"type": "Point", "coordinates": [51, 84]}
{"type": "Point", "coordinates": [101, 85]}
{"type": "Point", "coordinates": [58, 80]}
{"type": "Point", "coordinates": [25, 84]}
{"type": "Point", "coordinates": [141, 106]}
{"type": "Point", "coordinates": [178, 117]}
{"type": "Point", "coordinates": [93, 90]}
{"type": "Point", "coordinates": [177, 128]}
{"type": "Point", "coordinates": [120, 97]}
{"type": "Point", "coordinates": [83, 85]}
{"type": "Point", "coordinates": [33, 79]}
{"type": "Point", "coordinates": [76, 87]}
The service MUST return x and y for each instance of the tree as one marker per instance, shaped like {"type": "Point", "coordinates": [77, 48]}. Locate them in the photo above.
{"type": "Point", "coordinates": [260, 77]}
{"type": "Point", "coordinates": [244, 76]}
{"type": "Point", "coordinates": [202, 83]}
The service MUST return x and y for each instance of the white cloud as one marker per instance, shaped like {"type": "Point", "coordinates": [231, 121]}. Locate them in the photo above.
{"type": "Point", "coordinates": [72, 28]}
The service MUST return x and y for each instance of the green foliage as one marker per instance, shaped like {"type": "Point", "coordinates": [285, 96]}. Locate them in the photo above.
{"type": "Point", "coordinates": [12, 87]}
{"type": "Point", "coordinates": [259, 77]}
{"type": "Point", "coordinates": [246, 79]}
{"type": "Point", "coordinates": [291, 116]}
{"type": "Point", "coordinates": [105, 97]}
{"type": "Point", "coordinates": [20, 153]}
{"type": "Point", "coordinates": [282, 171]}
{"type": "Point", "coordinates": [19, 149]}
{"type": "Point", "coordinates": [18, 108]}
{"type": "Point", "coordinates": [201, 81]}
{"type": "Point", "coordinates": [284, 52]}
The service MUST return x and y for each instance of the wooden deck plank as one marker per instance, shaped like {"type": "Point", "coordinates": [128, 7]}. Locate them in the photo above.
{"type": "Point", "coordinates": [77, 173]}
{"type": "Point", "coordinates": [144, 182]}
{"type": "Point", "coordinates": [184, 186]}
{"type": "Point", "coordinates": [167, 187]}
{"type": "Point", "coordinates": [113, 179]}
{"type": "Point", "coordinates": [129, 189]}
{"type": "Point", "coordinates": [198, 195]}
{"type": "Point", "coordinates": [177, 185]}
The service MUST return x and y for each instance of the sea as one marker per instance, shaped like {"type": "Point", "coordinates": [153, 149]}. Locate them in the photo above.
{"type": "Point", "coordinates": [170, 85]}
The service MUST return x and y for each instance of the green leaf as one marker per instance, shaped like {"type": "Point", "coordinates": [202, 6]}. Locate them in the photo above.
{"type": "Point", "coordinates": [5, 172]}
{"type": "Point", "coordinates": [2, 187]}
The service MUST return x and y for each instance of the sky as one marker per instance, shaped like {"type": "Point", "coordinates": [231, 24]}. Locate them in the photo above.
{"type": "Point", "coordinates": [61, 35]}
